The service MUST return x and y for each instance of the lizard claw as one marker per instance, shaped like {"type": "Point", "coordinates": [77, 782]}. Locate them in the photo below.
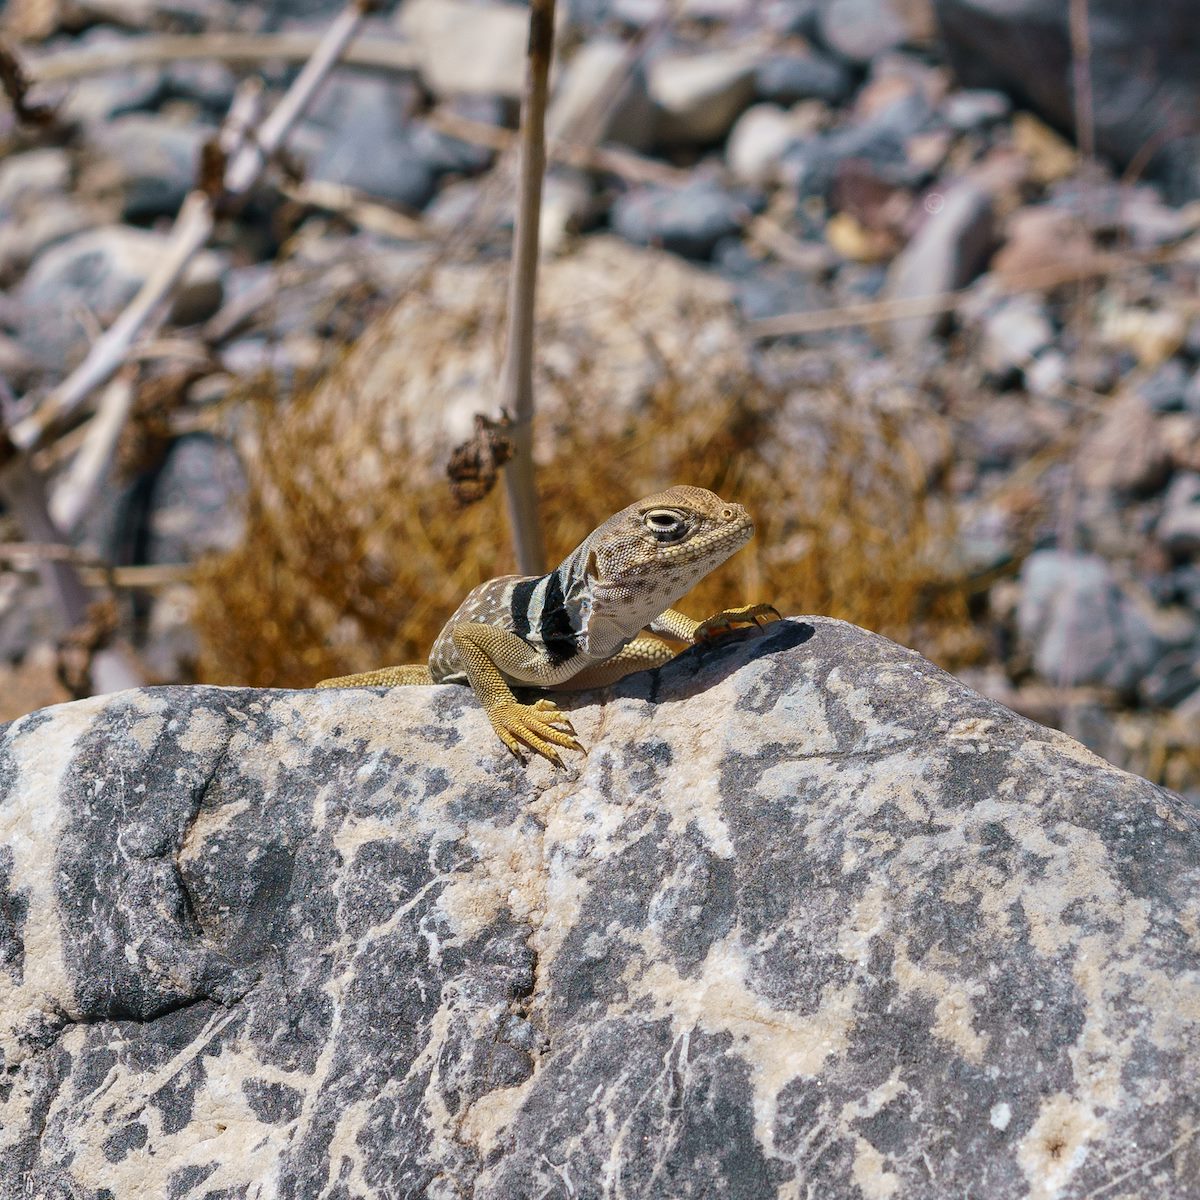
{"type": "Point", "coordinates": [539, 727]}
{"type": "Point", "coordinates": [733, 618]}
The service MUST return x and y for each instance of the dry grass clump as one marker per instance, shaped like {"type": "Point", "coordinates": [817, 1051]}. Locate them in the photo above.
{"type": "Point", "coordinates": [354, 553]}
{"type": "Point", "coordinates": [1164, 748]}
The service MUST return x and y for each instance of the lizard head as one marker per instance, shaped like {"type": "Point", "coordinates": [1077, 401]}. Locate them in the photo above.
{"type": "Point", "coordinates": [662, 545]}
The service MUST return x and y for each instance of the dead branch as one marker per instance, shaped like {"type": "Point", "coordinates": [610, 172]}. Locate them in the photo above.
{"type": "Point", "coordinates": [31, 556]}
{"type": "Point", "coordinates": [73, 494]}
{"type": "Point", "coordinates": [15, 83]}
{"type": "Point", "coordinates": [611, 160]}
{"type": "Point", "coordinates": [234, 48]}
{"type": "Point", "coordinates": [516, 379]}
{"type": "Point", "coordinates": [366, 212]}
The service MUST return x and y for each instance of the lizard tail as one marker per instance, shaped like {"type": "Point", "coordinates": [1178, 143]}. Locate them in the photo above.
{"type": "Point", "coordinates": [385, 677]}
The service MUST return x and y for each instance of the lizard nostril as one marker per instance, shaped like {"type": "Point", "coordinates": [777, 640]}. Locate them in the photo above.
{"type": "Point", "coordinates": [727, 514]}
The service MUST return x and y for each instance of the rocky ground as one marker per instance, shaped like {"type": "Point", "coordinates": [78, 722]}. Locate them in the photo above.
{"type": "Point", "coordinates": [827, 164]}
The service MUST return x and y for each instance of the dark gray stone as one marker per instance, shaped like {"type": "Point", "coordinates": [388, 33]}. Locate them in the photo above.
{"type": "Point", "coordinates": [771, 291]}
{"type": "Point", "coordinates": [811, 916]}
{"type": "Point", "coordinates": [787, 78]}
{"type": "Point", "coordinates": [1173, 679]}
{"type": "Point", "coordinates": [1166, 390]}
{"type": "Point", "coordinates": [811, 167]}
{"type": "Point", "coordinates": [209, 84]}
{"type": "Point", "coordinates": [195, 507]}
{"type": "Point", "coordinates": [1179, 526]}
{"type": "Point", "coordinates": [361, 135]}
{"type": "Point", "coordinates": [1185, 585]}
{"type": "Point", "coordinates": [792, 18]}
{"type": "Point", "coordinates": [690, 220]}
{"type": "Point", "coordinates": [1144, 62]}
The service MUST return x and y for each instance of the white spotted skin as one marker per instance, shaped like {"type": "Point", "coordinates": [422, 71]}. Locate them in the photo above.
{"type": "Point", "coordinates": [614, 584]}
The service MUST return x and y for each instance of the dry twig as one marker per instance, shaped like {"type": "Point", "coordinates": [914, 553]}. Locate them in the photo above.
{"type": "Point", "coordinates": [32, 556]}
{"type": "Point", "coordinates": [516, 380]}
{"type": "Point", "coordinates": [359, 209]}
{"type": "Point", "coordinates": [236, 48]}
{"type": "Point", "coordinates": [15, 83]}
{"type": "Point", "coordinates": [612, 160]}
{"type": "Point", "coordinates": [73, 494]}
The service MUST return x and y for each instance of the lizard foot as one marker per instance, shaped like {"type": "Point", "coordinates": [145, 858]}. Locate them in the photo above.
{"type": "Point", "coordinates": [735, 618]}
{"type": "Point", "coordinates": [539, 727]}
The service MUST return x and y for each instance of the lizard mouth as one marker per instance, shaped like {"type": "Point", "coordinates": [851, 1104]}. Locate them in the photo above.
{"type": "Point", "coordinates": [725, 538]}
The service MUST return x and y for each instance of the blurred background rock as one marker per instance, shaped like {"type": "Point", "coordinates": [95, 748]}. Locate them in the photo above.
{"type": "Point", "coordinates": [916, 280]}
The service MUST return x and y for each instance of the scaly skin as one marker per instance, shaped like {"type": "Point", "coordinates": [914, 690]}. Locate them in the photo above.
{"type": "Point", "coordinates": [590, 621]}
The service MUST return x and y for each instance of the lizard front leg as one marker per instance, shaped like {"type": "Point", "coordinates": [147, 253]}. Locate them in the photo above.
{"type": "Point", "coordinates": [642, 654]}
{"type": "Point", "coordinates": [677, 625]}
{"type": "Point", "coordinates": [486, 651]}
{"type": "Point", "coordinates": [646, 653]}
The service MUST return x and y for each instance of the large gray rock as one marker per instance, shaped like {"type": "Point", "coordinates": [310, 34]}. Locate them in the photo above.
{"type": "Point", "coordinates": [811, 918]}
{"type": "Point", "coordinates": [1144, 61]}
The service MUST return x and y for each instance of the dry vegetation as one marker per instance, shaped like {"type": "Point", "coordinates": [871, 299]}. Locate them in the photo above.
{"type": "Point", "coordinates": [355, 554]}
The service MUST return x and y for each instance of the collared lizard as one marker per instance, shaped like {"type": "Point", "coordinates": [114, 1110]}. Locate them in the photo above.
{"type": "Point", "coordinates": [586, 623]}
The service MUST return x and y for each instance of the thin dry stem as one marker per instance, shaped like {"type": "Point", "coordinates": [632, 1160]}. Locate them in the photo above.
{"type": "Point", "coordinates": [235, 48]}
{"type": "Point", "coordinates": [73, 494]}
{"type": "Point", "coordinates": [571, 151]}
{"type": "Point", "coordinates": [516, 383]}
{"type": "Point", "coordinates": [365, 211]}
{"type": "Point", "coordinates": [1081, 72]}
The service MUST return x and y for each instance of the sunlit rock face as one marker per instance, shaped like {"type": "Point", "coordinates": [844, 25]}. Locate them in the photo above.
{"type": "Point", "coordinates": [810, 919]}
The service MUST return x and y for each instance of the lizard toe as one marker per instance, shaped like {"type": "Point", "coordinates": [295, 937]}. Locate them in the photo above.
{"type": "Point", "coordinates": [534, 726]}
{"type": "Point", "coordinates": [553, 715]}
{"type": "Point", "coordinates": [731, 619]}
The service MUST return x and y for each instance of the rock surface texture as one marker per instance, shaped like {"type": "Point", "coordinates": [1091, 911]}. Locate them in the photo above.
{"type": "Point", "coordinates": [811, 919]}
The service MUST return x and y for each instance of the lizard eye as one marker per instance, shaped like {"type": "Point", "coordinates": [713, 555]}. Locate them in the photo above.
{"type": "Point", "coordinates": [666, 524]}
